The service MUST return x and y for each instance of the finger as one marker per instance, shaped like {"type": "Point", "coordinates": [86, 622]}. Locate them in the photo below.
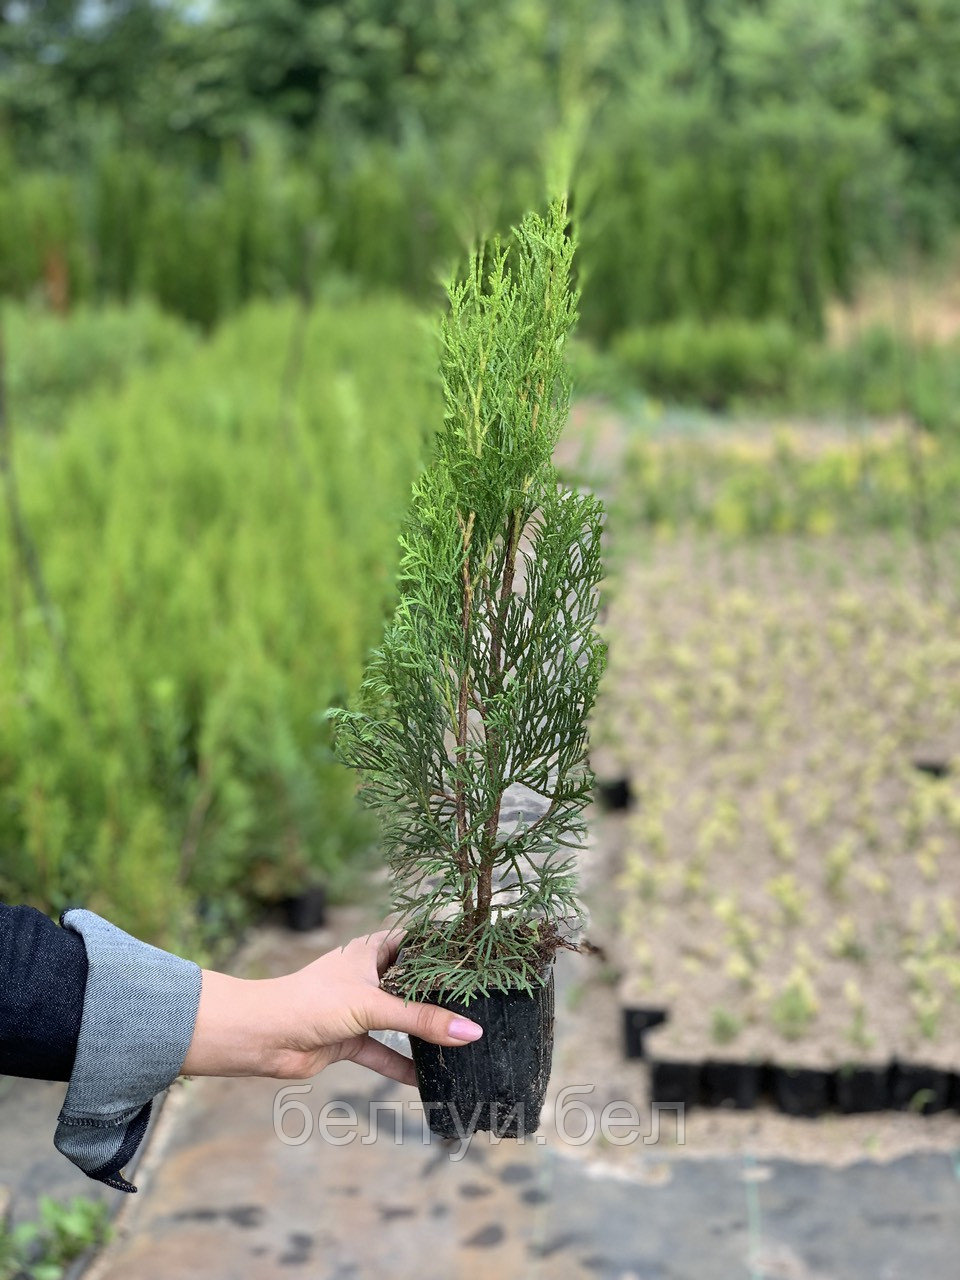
{"type": "Point", "coordinates": [384, 1060]}
{"type": "Point", "coordinates": [383, 945]}
{"type": "Point", "coordinates": [428, 1021]}
{"type": "Point", "coordinates": [389, 944]}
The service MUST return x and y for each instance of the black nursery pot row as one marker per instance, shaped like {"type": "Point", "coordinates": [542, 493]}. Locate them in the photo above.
{"type": "Point", "coordinates": [805, 1091]}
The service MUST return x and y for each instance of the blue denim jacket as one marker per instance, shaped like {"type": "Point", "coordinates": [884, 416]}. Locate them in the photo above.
{"type": "Point", "coordinates": [113, 1015]}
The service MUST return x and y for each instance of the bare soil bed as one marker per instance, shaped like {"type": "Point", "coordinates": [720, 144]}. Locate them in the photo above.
{"type": "Point", "coordinates": [790, 879]}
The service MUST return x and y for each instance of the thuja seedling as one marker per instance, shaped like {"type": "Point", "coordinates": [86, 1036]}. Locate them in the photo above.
{"type": "Point", "coordinates": [724, 1026]}
{"type": "Point", "coordinates": [796, 1006]}
{"type": "Point", "coordinates": [490, 666]}
{"type": "Point", "coordinates": [789, 897]}
{"type": "Point", "coordinates": [927, 1009]}
{"type": "Point", "coordinates": [845, 942]}
{"type": "Point", "coordinates": [838, 862]}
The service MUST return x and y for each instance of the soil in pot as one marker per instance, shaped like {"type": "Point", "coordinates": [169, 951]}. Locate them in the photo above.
{"type": "Point", "coordinates": [616, 794]}
{"type": "Point", "coordinates": [498, 1083]}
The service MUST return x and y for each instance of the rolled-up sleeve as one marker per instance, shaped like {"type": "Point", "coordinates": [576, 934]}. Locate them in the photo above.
{"type": "Point", "coordinates": [139, 1012]}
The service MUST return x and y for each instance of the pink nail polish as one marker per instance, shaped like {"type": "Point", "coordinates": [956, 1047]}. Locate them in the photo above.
{"type": "Point", "coordinates": [464, 1029]}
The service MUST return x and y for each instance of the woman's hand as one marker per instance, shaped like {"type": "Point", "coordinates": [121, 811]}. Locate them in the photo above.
{"type": "Point", "coordinates": [292, 1027]}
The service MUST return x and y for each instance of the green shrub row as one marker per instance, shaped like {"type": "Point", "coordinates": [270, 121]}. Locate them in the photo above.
{"type": "Point", "coordinates": [52, 361]}
{"type": "Point", "coordinates": [681, 214]}
{"type": "Point", "coordinates": [710, 364]}
{"type": "Point", "coordinates": [217, 537]}
{"type": "Point", "coordinates": [731, 362]}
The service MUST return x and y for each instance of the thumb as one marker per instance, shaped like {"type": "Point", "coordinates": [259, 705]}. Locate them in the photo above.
{"type": "Point", "coordinates": [428, 1021]}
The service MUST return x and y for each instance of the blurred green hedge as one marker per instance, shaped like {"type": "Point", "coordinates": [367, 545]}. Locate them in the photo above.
{"type": "Point", "coordinates": [218, 538]}
{"type": "Point", "coordinates": [681, 214]}
{"type": "Point", "coordinates": [52, 361]}
{"type": "Point", "coordinates": [710, 364]}
{"type": "Point", "coordinates": [731, 363]}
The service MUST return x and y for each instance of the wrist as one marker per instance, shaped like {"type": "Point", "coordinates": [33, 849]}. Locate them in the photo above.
{"type": "Point", "coordinates": [235, 1032]}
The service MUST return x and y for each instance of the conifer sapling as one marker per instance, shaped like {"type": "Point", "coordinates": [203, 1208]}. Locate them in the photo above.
{"type": "Point", "coordinates": [490, 665]}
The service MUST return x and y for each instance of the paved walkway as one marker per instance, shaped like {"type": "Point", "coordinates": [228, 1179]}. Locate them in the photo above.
{"type": "Point", "coordinates": [225, 1199]}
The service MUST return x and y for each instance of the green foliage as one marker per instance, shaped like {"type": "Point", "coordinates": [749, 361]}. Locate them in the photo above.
{"type": "Point", "coordinates": [914, 58]}
{"type": "Point", "coordinates": [724, 1026]}
{"type": "Point", "coordinates": [727, 161]}
{"type": "Point", "coordinates": [217, 536]}
{"type": "Point", "coordinates": [765, 366]}
{"type": "Point", "coordinates": [795, 1007]}
{"type": "Point", "coordinates": [880, 374]}
{"type": "Point", "coordinates": [51, 362]}
{"type": "Point", "coordinates": [705, 215]}
{"type": "Point", "coordinates": [710, 364]}
{"type": "Point", "coordinates": [743, 483]}
{"type": "Point", "coordinates": [491, 663]}
{"type": "Point", "coordinates": [42, 1250]}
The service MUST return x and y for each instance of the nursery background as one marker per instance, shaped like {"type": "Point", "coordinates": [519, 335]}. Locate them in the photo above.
{"type": "Point", "coordinates": [221, 228]}
{"type": "Point", "coordinates": [224, 232]}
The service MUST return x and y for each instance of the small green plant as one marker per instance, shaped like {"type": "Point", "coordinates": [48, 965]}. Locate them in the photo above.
{"type": "Point", "coordinates": [858, 1033]}
{"type": "Point", "coordinates": [845, 941]}
{"type": "Point", "coordinates": [838, 862]}
{"type": "Point", "coordinates": [796, 1006]}
{"type": "Point", "coordinates": [41, 1250]}
{"type": "Point", "coordinates": [789, 897]}
{"type": "Point", "coordinates": [724, 1026]}
{"type": "Point", "coordinates": [492, 661]}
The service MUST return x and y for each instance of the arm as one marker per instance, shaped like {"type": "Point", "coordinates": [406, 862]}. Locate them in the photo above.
{"type": "Point", "coordinates": [121, 1019]}
{"type": "Point", "coordinates": [294, 1026]}
{"type": "Point", "coordinates": [43, 974]}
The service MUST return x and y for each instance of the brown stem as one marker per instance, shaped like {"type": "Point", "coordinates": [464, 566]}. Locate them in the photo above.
{"type": "Point", "coordinates": [492, 825]}
{"type": "Point", "coordinates": [195, 821]}
{"type": "Point", "coordinates": [463, 708]}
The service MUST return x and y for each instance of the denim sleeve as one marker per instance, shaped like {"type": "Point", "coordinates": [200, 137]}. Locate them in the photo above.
{"type": "Point", "coordinates": [43, 974]}
{"type": "Point", "coordinates": [139, 1011]}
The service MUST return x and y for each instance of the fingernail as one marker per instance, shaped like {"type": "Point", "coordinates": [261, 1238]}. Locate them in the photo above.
{"type": "Point", "coordinates": [464, 1029]}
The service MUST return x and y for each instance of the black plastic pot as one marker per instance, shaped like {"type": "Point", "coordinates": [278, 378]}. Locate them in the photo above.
{"type": "Point", "coordinates": [731, 1084]}
{"type": "Point", "coordinates": [802, 1091]}
{"type": "Point", "coordinates": [498, 1083]}
{"type": "Point", "coordinates": [307, 910]}
{"type": "Point", "coordinates": [616, 794]}
{"type": "Point", "coordinates": [636, 1023]}
{"type": "Point", "coordinates": [860, 1089]}
{"type": "Point", "coordinates": [675, 1082]}
{"type": "Point", "coordinates": [934, 767]}
{"type": "Point", "coordinates": [917, 1088]}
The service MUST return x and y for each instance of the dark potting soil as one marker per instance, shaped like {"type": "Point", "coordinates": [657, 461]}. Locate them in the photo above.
{"type": "Point", "coordinates": [616, 794]}
{"type": "Point", "coordinates": [674, 1083]}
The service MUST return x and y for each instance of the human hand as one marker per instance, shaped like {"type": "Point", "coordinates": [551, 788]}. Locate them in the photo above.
{"type": "Point", "coordinates": [292, 1027]}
